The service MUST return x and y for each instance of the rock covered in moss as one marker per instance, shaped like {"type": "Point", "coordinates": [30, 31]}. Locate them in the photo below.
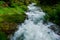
{"type": "Point", "coordinates": [10, 22]}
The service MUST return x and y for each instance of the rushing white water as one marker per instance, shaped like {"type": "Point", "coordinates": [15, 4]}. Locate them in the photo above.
{"type": "Point", "coordinates": [33, 27]}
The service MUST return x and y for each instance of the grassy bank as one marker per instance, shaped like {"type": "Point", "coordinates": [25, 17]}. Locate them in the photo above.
{"type": "Point", "coordinates": [10, 16]}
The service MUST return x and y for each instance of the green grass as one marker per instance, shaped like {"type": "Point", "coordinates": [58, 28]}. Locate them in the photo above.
{"type": "Point", "coordinates": [9, 12]}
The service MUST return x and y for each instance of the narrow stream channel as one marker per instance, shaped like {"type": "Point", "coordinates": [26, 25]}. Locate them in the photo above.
{"type": "Point", "coordinates": [33, 27]}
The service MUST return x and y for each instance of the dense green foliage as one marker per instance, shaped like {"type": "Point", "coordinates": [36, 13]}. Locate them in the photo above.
{"type": "Point", "coordinates": [11, 14]}
{"type": "Point", "coordinates": [46, 2]}
{"type": "Point", "coordinates": [52, 13]}
{"type": "Point", "coordinates": [49, 2]}
{"type": "Point", "coordinates": [17, 2]}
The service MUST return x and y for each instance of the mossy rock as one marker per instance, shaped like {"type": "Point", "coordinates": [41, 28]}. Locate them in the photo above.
{"type": "Point", "coordinates": [10, 22]}
{"type": "Point", "coordinates": [8, 28]}
{"type": "Point", "coordinates": [10, 18]}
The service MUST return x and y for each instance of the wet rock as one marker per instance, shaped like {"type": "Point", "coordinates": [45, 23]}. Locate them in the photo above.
{"type": "Point", "coordinates": [55, 28]}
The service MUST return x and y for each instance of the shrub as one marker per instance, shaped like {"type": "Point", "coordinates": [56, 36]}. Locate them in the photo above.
{"type": "Point", "coordinates": [16, 2]}
{"type": "Point", "coordinates": [46, 2]}
{"type": "Point", "coordinates": [1, 3]}
{"type": "Point", "coordinates": [57, 17]}
{"type": "Point", "coordinates": [53, 14]}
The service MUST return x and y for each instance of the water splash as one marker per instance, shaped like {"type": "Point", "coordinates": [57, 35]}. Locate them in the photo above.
{"type": "Point", "coordinates": [33, 27]}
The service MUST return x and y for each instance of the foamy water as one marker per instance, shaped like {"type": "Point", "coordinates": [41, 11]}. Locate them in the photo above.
{"type": "Point", "coordinates": [33, 27]}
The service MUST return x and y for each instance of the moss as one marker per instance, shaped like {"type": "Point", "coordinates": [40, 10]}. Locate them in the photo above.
{"type": "Point", "coordinates": [7, 27]}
